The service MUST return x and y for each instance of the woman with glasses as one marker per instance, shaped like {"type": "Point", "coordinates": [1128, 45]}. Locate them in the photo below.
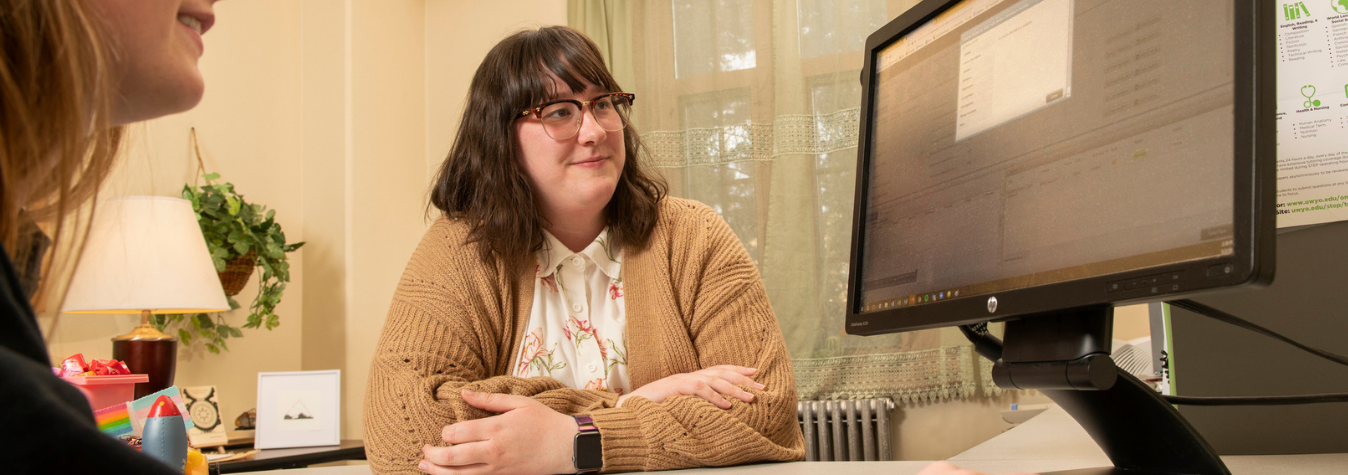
{"type": "Point", "coordinates": [563, 315]}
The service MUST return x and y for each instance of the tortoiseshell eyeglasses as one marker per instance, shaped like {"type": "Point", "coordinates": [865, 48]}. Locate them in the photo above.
{"type": "Point", "coordinates": [561, 119]}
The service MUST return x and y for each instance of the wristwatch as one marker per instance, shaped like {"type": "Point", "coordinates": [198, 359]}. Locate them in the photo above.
{"type": "Point", "coordinates": [589, 451]}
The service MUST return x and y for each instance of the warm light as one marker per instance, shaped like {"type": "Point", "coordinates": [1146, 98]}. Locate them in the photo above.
{"type": "Point", "coordinates": [145, 253]}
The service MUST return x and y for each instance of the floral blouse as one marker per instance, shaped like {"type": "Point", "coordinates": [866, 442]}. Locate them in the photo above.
{"type": "Point", "coordinates": [578, 325]}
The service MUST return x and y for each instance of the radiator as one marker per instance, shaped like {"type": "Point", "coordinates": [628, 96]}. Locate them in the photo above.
{"type": "Point", "coordinates": [848, 430]}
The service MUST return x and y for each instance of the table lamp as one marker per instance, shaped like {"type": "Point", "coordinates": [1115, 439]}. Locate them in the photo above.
{"type": "Point", "coordinates": [145, 255]}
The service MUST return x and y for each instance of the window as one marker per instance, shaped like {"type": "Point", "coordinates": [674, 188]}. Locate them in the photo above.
{"type": "Point", "coordinates": [713, 35]}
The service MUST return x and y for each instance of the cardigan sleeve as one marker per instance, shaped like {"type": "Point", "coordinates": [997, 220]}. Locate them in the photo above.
{"type": "Point", "coordinates": [442, 335]}
{"type": "Point", "coordinates": [731, 322]}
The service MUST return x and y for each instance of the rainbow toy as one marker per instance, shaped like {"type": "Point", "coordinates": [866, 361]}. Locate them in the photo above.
{"type": "Point", "coordinates": [113, 420]}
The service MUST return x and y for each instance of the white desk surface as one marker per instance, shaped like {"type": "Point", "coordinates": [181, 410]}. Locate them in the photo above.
{"type": "Point", "coordinates": [1049, 441]}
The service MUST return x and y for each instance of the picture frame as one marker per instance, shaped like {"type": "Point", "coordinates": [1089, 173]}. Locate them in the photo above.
{"type": "Point", "coordinates": [203, 407]}
{"type": "Point", "coordinates": [298, 409]}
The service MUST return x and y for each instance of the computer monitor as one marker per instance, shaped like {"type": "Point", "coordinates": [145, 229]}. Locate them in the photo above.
{"type": "Point", "coordinates": [1040, 161]}
{"type": "Point", "coordinates": [1054, 154]}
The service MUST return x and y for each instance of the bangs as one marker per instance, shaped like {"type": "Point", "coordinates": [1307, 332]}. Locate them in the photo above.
{"type": "Point", "coordinates": [550, 55]}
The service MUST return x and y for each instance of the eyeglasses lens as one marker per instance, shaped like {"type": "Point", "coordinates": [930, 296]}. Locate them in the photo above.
{"type": "Point", "coordinates": [563, 119]}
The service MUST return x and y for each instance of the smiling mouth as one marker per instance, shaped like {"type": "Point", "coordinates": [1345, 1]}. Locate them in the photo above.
{"type": "Point", "coordinates": [191, 22]}
{"type": "Point", "coordinates": [589, 161]}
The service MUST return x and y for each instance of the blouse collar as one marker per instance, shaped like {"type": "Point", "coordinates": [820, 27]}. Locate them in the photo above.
{"type": "Point", "coordinates": [605, 254]}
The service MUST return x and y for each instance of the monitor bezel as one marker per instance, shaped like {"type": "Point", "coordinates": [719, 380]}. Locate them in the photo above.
{"type": "Point", "coordinates": [1254, 176]}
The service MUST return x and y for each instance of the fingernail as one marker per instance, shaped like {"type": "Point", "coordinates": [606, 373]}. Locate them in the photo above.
{"type": "Point", "coordinates": [753, 370]}
{"type": "Point", "coordinates": [750, 398]}
{"type": "Point", "coordinates": [759, 386]}
{"type": "Point", "coordinates": [469, 392]}
{"type": "Point", "coordinates": [422, 466]}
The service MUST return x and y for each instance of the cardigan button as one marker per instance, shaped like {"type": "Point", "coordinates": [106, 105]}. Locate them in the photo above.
{"type": "Point", "coordinates": [575, 307]}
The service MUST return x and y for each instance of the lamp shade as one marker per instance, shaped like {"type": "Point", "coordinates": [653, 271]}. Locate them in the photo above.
{"type": "Point", "coordinates": [145, 253]}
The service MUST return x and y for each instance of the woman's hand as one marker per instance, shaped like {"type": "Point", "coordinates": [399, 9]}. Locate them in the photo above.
{"type": "Point", "coordinates": [713, 384]}
{"type": "Point", "coordinates": [527, 437]}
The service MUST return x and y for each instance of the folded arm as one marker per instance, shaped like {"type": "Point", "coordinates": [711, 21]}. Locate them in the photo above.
{"type": "Point", "coordinates": [731, 323]}
{"type": "Point", "coordinates": [435, 344]}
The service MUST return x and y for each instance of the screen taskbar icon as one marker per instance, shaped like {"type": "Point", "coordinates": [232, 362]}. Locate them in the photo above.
{"type": "Point", "coordinates": [914, 299]}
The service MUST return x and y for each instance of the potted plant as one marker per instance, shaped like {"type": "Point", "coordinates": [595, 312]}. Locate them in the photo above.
{"type": "Point", "coordinates": [241, 237]}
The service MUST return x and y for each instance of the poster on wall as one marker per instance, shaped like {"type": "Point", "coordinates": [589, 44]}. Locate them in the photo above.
{"type": "Point", "coordinates": [1312, 112]}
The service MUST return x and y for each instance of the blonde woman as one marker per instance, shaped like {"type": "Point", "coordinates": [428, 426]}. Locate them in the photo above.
{"type": "Point", "coordinates": [73, 72]}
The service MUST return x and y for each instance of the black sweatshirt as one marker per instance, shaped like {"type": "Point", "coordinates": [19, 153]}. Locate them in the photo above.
{"type": "Point", "coordinates": [46, 425]}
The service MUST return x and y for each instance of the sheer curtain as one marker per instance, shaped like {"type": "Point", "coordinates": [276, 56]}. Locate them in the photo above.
{"type": "Point", "coordinates": [752, 107]}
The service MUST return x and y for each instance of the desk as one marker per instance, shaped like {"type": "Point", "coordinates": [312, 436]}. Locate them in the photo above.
{"type": "Point", "coordinates": [274, 459]}
{"type": "Point", "coordinates": [1049, 441]}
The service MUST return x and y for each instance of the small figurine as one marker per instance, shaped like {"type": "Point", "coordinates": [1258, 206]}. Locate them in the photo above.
{"type": "Point", "coordinates": [165, 436]}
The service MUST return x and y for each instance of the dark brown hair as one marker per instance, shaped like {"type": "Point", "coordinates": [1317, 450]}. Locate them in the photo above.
{"type": "Point", "coordinates": [482, 180]}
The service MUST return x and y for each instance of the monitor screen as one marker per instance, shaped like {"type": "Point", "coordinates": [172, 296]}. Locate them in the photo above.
{"type": "Point", "coordinates": [1015, 145]}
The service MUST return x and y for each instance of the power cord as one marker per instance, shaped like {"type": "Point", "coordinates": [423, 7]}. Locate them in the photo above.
{"type": "Point", "coordinates": [1224, 317]}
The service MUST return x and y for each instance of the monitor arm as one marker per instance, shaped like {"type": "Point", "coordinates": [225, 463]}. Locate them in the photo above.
{"type": "Point", "coordinates": [1065, 355]}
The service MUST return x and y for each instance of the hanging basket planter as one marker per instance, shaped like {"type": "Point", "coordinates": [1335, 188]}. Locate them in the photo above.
{"type": "Point", "coordinates": [237, 272]}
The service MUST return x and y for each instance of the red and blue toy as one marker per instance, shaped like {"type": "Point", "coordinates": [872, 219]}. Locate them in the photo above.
{"type": "Point", "coordinates": [165, 436]}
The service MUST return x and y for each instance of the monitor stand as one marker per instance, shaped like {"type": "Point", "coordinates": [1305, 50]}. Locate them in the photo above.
{"type": "Point", "coordinates": [1065, 355]}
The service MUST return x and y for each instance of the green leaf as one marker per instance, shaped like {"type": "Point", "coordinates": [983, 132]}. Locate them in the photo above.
{"type": "Point", "coordinates": [211, 176]}
{"type": "Point", "coordinates": [204, 321]}
{"type": "Point", "coordinates": [234, 205]}
{"type": "Point", "coordinates": [185, 337]}
{"type": "Point", "coordinates": [213, 349]}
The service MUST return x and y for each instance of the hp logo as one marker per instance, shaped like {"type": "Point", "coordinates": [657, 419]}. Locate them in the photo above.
{"type": "Point", "coordinates": [992, 304]}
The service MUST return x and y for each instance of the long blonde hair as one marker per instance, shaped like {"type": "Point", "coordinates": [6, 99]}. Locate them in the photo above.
{"type": "Point", "coordinates": [57, 138]}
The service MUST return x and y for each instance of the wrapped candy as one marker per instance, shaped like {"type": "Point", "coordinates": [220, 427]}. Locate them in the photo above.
{"type": "Point", "coordinates": [108, 367]}
{"type": "Point", "coordinates": [74, 365]}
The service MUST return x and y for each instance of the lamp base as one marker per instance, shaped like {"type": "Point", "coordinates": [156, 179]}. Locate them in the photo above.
{"type": "Point", "coordinates": [148, 351]}
{"type": "Point", "coordinates": [156, 358]}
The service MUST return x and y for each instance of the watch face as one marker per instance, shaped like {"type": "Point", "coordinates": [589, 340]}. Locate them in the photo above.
{"type": "Point", "coordinates": [589, 453]}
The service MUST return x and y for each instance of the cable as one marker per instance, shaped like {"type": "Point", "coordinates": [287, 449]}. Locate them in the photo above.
{"type": "Point", "coordinates": [1221, 316]}
{"type": "Point", "coordinates": [1256, 400]}
{"type": "Point", "coordinates": [985, 344]}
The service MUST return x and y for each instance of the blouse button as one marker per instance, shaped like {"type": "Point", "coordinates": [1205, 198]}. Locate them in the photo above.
{"type": "Point", "coordinates": [575, 261]}
{"type": "Point", "coordinates": [591, 367]}
{"type": "Point", "coordinates": [575, 307]}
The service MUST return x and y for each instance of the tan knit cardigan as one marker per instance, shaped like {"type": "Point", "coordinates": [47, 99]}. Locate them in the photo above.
{"type": "Point", "coordinates": [693, 298]}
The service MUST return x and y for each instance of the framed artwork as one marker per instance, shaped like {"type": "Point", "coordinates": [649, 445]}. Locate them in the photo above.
{"type": "Point", "coordinates": [298, 409]}
{"type": "Point", "coordinates": [203, 407]}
